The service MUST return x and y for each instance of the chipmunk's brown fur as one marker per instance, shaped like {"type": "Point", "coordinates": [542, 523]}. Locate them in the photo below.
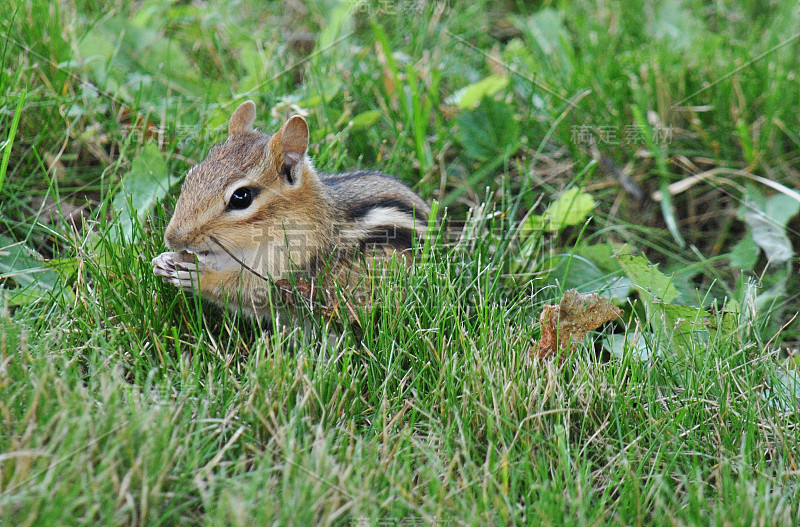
{"type": "Point", "coordinates": [257, 200]}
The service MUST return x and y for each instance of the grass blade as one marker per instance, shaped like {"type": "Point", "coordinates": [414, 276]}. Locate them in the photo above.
{"type": "Point", "coordinates": [9, 142]}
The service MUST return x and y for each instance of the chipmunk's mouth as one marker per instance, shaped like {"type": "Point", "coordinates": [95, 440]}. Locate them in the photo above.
{"type": "Point", "coordinates": [204, 256]}
{"type": "Point", "coordinates": [216, 260]}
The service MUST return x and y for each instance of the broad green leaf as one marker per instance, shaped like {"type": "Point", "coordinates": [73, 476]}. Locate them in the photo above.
{"type": "Point", "coordinates": [468, 97]}
{"type": "Point", "coordinates": [147, 182]}
{"type": "Point", "coordinates": [648, 278]}
{"type": "Point", "coordinates": [684, 318]}
{"type": "Point", "coordinates": [684, 329]}
{"type": "Point", "coordinates": [770, 235]}
{"type": "Point", "coordinates": [773, 287]}
{"type": "Point", "coordinates": [570, 208]}
{"type": "Point", "coordinates": [727, 320]}
{"type": "Point", "coordinates": [141, 63]}
{"type": "Point", "coordinates": [533, 224]}
{"type": "Point", "coordinates": [745, 253]}
{"type": "Point", "coordinates": [603, 255]}
{"type": "Point", "coordinates": [577, 272]}
{"type": "Point", "coordinates": [752, 195]}
{"type": "Point", "coordinates": [782, 208]}
{"type": "Point", "coordinates": [519, 53]}
{"type": "Point", "coordinates": [634, 343]}
{"type": "Point", "coordinates": [488, 130]}
{"type": "Point", "coordinates": [97, 49]}
{"type": "Point", "coordinates": [549, 34]}
{"type": "Point", "coordinates": [767, 218]}
{"type": "Point", "coordinates": [254, 61]}
{"type": "Point", "coordinates": [365, 119]}
{"type": "Point", "coordinates": [24, 276]}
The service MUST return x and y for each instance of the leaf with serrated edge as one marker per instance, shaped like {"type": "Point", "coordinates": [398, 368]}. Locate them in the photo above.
{"type": "Point", "coordinates": [648, 278]}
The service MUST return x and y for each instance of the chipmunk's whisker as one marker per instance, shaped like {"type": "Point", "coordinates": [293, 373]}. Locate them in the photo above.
{"type": "Point", "coordinates": [237, 260]}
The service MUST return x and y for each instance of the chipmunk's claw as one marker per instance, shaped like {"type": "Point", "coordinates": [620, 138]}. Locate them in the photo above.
{"type": "Point", "coordinates": [178, 269]}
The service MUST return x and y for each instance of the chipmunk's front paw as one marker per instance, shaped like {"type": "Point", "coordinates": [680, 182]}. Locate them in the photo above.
{"type": "Point", "coordinates": [178, 269]}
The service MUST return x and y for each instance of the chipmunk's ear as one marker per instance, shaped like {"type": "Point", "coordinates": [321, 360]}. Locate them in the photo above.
{"type": "Point", "coordinates": [294, 139]}
{"type": "Point", "coordinates": [242, 119]}
{"type": "Point", "coordinates": [292, 142]}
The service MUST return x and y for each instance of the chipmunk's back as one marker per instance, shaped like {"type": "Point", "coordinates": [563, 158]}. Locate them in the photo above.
{"type": "Point", "coordinates": [379, 209]}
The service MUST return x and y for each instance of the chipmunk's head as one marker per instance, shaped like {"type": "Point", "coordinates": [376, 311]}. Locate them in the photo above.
{"type": "Point", "coordinates": [243, 190]}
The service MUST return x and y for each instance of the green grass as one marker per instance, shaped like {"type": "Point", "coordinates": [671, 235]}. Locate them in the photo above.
{"type": "Point", "coordinates": [125, 402]}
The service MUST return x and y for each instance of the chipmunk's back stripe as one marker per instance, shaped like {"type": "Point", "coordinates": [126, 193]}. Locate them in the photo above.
{"type": "Point", "coordinates": [389, 218]}
{"type": "Point", "coordinates": [363, 209]}
{"type": "Point", "coordinates": [397, 237]}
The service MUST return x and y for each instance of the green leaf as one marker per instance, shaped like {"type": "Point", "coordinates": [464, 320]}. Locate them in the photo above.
{"type": "Point", "coordinates": [767, 218]}
{"type": "Point", "coordinates": [324, 91]}
{"type": "Point", "coordinates": [338, 23]}
{"type": "Point", "coordinates": [745, 253]}
{"type": "Point", "coordinates": [488, 130]}
{"type": "Point", "coordinates": [602, 255]}
{"type": "Point", "coordinates": [726, 321]}
{"type": "Point", "coordinates": [140, 63]}
{"type": "Point", "coordinates": [468, 97]}
{"type": "Point", "coordinates": [146, 183]}
{"type": "Point", "coordinates": [684, 318]}
{"type": "Point", "coordinates": [570, 208]}
{"type": "Point", "coordinates": [684, 329]}
{"type": "Point", "coordinates": [634, 343]}
{"type": "Point", "coordinates": [593, 268]}
{"type": "Point", "coordinates": [648, 278]}
{"type": "Point", "coordinates": [97, 49]}
{"type": "Point", "coordinates": [23, 274]}
{"type": "Point", "coordinates": [548, 33]}
{"type": "Point", "coordinates": [782, 208]}
{"type": "Point", "coordinates": [769, 232]}
{"type": "Point", "coordinates": [585, 276]}
{"type": "Point", "coordinates": [773, 288]}
{"type": "Point", "coordinates": [365, 119]}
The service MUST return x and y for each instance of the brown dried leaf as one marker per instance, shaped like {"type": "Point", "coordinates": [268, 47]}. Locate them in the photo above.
{"type": "Point", "coordinates": [566, 324]}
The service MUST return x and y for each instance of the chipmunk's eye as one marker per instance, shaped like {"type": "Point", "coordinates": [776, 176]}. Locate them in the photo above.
{"type": "Point", "coordinates": [241, 198]}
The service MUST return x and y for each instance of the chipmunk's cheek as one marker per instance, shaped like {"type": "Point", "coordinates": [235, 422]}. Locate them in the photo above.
{"type": "Point", "coordinates": [218, 262]}
{"type": "Point", "coordinates": [222, 262]}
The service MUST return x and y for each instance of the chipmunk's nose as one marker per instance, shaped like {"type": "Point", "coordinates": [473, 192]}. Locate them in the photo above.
{"type": "Point", "coordinates": [174, 238]}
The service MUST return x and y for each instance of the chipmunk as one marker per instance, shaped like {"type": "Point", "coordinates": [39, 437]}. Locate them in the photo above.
{"type": "Point", "coordinates": [256, 209]}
